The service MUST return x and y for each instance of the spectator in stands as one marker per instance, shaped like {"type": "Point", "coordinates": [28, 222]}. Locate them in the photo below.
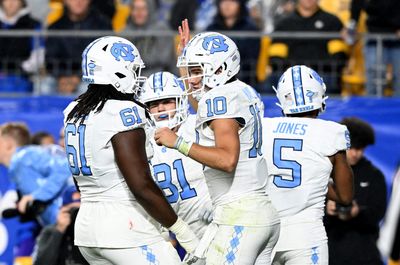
{"type": "Point", "coordinates": [327, 56]}
{"type": "Point", "coordinates": [156, 51]}
{"type": "Point", "coordinates": [233, 15]}
{"type": "Point", "coordinates": [106, 7]}
{"type": "Point", "coordinates": [267, 12]}
{"type": "Point", "coordinates": [39, 9]}
{"type": "Point", "coordinates": [382, 17]}
{"type": "Point", "coordinates": [199, 13]}
{"type": "Point", "coordinates": [183, 9]}
{"type": "Point", "coordinates": [39, 173]}
{"type": "Point", "coordinates": [353, 229]}
{"type": "Point", "coordinates": [19, 56]}
{"type": "Point", "coordinates": [64, 54]}
{"type": "Point", "coordinates": [61, 139]}
{"type": "Point", "coordinates": [42, 138]}
{"type": "Point", "coordinates": [55, 244]}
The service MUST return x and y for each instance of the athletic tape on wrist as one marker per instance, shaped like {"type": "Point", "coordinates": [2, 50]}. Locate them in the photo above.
{"type": "Point", "coordinates": [183, 146]}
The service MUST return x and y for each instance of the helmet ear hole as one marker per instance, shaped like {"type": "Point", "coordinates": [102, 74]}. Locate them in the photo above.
{"type": "Point", "coordinates": [120, 75]}
{"type": "Point", "coordinates": [105, 48]}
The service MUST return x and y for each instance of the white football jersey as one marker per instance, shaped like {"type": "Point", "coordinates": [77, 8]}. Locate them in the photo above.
{"type": "Point", "coordinates": [297, 151]}
{"type": "Point", "coordinates": [181, 179]}
{"type": "Point", "coordinates": [235, 100]}
{"type": "Point", "coordinates": [123, 223]}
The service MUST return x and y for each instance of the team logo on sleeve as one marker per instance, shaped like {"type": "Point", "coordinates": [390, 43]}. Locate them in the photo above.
{"type": "Point", "coordinates": [215, 44]}
{"type": "Point", "coordinates": [122, 51]}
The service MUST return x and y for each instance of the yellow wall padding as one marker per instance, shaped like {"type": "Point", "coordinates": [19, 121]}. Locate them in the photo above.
{"type": "Point", "coordinates": [336, 46]}
{"type": "Point", "coordinates": [121, 15]}
{"type": "Point", "coordinates": [23, 261]}
{"type": "Point", "coordinates": [55, 13]}
{"type": "Point", "coordinates": [279, 50]}
{"type": "Point", "coordinates": [263, 58]}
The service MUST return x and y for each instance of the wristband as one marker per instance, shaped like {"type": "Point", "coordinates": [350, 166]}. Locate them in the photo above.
{"type": "Point", "coordinates": [184, 235]}
{"type": "Point", "coordinates": [183, 146]}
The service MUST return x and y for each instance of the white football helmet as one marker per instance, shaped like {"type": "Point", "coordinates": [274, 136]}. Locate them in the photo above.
{"type": "Point", "coordinates": [164, 85]}
{"type": "Point", "coordinates": [113, 61]}
{"type": "Point", "coordinates": [300, 89]}
{"type": "Point", "coordinates": [211, 51]}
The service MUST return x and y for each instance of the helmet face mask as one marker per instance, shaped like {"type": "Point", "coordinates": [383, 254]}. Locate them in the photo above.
{"type": "Point", "coordinates": [113, 61]}
{"type": "Point", "coordinates": [300, 89]}
{"type": "Point", "coordinates": [159, 88]}
{"type": "Point", "coordinates": [216, 54]}
{"type": "Point", "coordinates": [194, 76]}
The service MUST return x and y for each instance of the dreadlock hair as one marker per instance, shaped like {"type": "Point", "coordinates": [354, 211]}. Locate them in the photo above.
{"type": "Point", "coordinates": [95, 98]}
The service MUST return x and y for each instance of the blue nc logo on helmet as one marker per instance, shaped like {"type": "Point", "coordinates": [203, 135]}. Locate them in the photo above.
{"type": "Point", "coordinates": [122, 50]}
{"type": "Point", "coordinates": [217, 44]}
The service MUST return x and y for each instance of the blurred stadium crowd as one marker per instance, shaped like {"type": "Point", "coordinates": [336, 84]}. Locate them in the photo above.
{"type": "Point", "coordinates": [350, 43]}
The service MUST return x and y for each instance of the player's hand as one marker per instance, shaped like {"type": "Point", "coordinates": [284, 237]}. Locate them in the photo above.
{"type": "Point", "coordinates": [185, 236]}
{"type": "Point", "coordinates": [191, 259]}
{"type": "Point", "coordinates": [355, 209]}
{"type": "Point", "coordinates": [184, 34]}
{"type": "Point", "coordinates": [22, 204]}
{"type": "Point", "coordinates": [331, 208]}
{"type": "Point", "coordinates": [63, 219]}
{"type": "Point", "coordinates": [165, 136]}
{"type": "Point", "coordinates": [207, 213]}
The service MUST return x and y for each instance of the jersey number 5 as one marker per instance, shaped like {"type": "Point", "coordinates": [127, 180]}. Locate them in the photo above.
{"type": "Point", "coordinates": [70, 129]}
{"type": "Point", "coordinates": [294, 166]}
{"type": "Point", "coordinates": [166, 184]}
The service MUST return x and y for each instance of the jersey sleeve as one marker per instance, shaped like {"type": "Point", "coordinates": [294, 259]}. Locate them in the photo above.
{"type": "Point", "coordinates": [337, 140]}
{"type": "Point", "coordinates": [119, 116]}
{"type": "Point", "coordinates": [219, 106]}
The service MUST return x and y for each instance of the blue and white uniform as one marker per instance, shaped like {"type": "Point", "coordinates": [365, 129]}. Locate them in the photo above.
{"type": "Point", "coordinates": [182, 180]}
{"type": "Point", "coordinates": [110, 218]}
{"type": "Point", "coordinates": [243, 211]}
{"type": "Point", "coordinates": [297, 152]}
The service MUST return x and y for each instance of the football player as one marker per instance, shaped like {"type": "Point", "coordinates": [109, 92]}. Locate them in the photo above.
{"type": "Point", "coordinates": [105, 143]}
{"type": "Point", "coordinates": [180, 177]}
{"type": "Point", "coordinates": [229, 130]}
{"type": "Point", "coordinates": [301, 153]}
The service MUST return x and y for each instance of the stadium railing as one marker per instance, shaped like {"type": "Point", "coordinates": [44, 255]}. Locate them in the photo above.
{"type": "Point", "coordinates": [353, 77]}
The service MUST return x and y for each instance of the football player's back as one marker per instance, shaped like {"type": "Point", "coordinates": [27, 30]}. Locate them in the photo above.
{"type": "Point", "coordinates": [297, 152]}
{"type": "Point", "coordinates": [301, 151]}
